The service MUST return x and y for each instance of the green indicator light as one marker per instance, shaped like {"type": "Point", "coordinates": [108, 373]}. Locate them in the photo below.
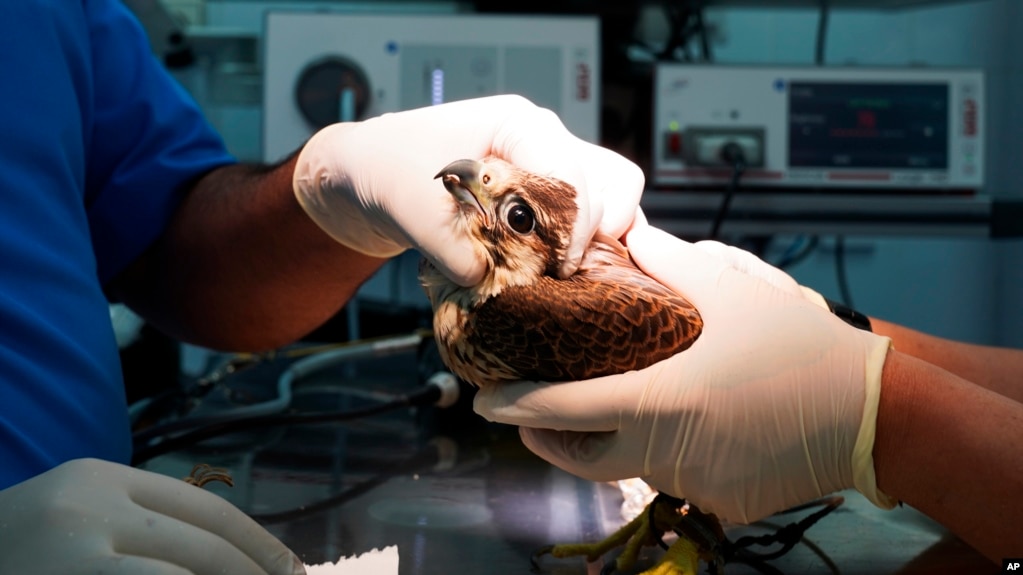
{"type": "Point", "coordinates": [673, 125]}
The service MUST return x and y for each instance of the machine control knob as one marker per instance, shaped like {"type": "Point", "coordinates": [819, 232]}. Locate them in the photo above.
{"type": "Point", "coordinates": [332, 89]}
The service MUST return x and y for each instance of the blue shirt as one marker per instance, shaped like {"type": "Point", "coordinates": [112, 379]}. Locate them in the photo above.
{"type": "Point", "coordinates": [96, 142]}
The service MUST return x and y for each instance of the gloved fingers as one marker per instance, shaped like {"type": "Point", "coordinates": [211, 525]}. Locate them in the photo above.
{"type": "Point", "coordinates": [619, 183]}
{"type": "Point", "coordinates": [608, 185]}
{"type": "Point", "coordinates": [509, 127]}
{"type": "Point", "coordinates": [588, 405]}
{"type": "Point", "coordinates": [169, 540]}
{"type": "Point", "coordinates": [431, 226]}
{"type": "Point", "coordinates": [538, 142]}
{"type": "Point", "coordinates": [223, 525]}
{"type": "Point", "coordinates": [814, 296]}
{"type": "Point", "coordinates": [638, 220]}
{"type": "Point", "coordinates": [535, 140]}
{"type": "Point", "coordinates": [326, 181]}
{"type": "Point", "coordinates": [595, 456]}
{"type": "Point", "coordinates": [690, 271]}
{"type": "Point", "coordinates": [750, 264]}
{"type": "Point", "coordinates": [380, 198]}
{"type": "Point", "coordinates": [370, 184]}
{"type": "Point", "coordinates": [124, 565]}
{"type": "Point", "coordinates": [516, 130]}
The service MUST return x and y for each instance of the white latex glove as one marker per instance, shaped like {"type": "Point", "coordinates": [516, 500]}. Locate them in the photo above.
{"type": "Point", "coordinates": [92, 516]}
{"type": "Point", "coordinates": [750, 264]}
{"type": "Point", "coordinates": [371, 186]}
{"type": "Point", "coordinates": [774, 405]}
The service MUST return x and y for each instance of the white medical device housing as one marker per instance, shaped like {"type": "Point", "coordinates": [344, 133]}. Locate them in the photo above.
{"type": "Point", "coordinates": [837, 128]}
{"type": "Point", "coordinates": [323, 67]}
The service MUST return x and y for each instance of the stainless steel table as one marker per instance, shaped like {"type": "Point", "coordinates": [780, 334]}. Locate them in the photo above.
{"type": "Point", "coordinates": [479, 502]}
{"type": "Point", "coordinates": [459, 495]}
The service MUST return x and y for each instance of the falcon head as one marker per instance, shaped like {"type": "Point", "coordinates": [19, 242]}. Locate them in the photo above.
{"type": "Point", "coordinates": [520, 223]}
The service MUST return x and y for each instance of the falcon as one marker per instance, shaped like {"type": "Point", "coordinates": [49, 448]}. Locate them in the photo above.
{"type": "Point", "coordinates": [523, 321]}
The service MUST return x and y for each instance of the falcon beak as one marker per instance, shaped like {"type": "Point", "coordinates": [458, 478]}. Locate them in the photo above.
{"type": "Point", "coordinates": [462, 180]}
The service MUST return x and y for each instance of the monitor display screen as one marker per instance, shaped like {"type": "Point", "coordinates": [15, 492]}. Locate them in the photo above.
{"type": "Point", "coordinates": [868, 125]}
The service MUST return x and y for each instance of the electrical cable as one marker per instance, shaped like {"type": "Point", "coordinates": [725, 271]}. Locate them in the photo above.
{"type": "Point", "coordinates": [739, 551]}
{"type": "Point", "coordinates": [685, 21]}
{"type": "Point", "coordinates": [415, 464]}
{"type": "Point", "coordinates": [677, 37]}
{"type": "Point", "coordinates": [701, 27]}
{"type": "Point", "coordinates": [732, 154]}
{"type": "Point", "coordinates": [441, 390]}
{"type": "Point", "coordinates": [312, 359]}
{"type": "Point", "coordinates": [840, 272]}
{"type": "Point", "coordinates": [788, 536]}
{"type": "Point", "coordinates": [799, 250]}
{"type": "Point", "coordinates": [822, 31]}
{"type": "Point", "coordinates": [143, 453]}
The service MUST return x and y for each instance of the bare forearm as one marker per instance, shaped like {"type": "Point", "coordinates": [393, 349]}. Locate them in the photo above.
{"type": "Point", "coordinates": [242, 266]}
{"type": "Point", "coordinates": [952, 450]}
{"type": "Point", "coordinates": [997, 369]}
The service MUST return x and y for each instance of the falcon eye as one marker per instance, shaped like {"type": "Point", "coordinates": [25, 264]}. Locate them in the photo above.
{"type": "Point", "coordinates": [520, 218]}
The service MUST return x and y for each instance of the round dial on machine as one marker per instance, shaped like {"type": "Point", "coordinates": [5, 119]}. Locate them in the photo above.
{"type": "Point", "coordinates": [332, 89]}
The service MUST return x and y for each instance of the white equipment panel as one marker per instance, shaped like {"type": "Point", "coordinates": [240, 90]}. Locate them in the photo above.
{"type": "Point", "coordinates": [321, 68]}
{"type": "Point", "coordinates": [827, 128]}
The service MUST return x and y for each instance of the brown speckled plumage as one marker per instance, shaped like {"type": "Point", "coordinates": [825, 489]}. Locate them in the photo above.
{"type": "Point", "coordinates": [523, 322]}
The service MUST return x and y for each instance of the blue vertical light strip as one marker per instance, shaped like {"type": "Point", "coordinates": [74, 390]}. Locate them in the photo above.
{"type": "Point", "coordinates": [437, 86]}
{"type": "Point", "coordinates": [346, 106]}
{"type": "Point", "coordinates": [346, 113]}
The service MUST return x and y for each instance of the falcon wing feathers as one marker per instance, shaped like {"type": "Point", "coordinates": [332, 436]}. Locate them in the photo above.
{"type": "Point", "coordinates": [608, 318]}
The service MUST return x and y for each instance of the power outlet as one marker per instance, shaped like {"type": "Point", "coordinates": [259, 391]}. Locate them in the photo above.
{"type": "Point", "coordinates": [703, 146]}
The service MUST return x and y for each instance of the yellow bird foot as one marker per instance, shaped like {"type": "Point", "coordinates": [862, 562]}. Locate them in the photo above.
{"type": "Point", "coordinates": [681, 558]}
{"type": "Point", "coordinates": [699, 537]}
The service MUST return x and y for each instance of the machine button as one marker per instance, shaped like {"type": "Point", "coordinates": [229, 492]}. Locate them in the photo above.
{"type": "Point", "coordinates": [673, 145]}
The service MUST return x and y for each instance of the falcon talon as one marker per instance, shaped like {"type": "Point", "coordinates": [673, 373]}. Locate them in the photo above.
{"type": "Point", "coordinates": [682, 557]}
{"type": "Point", "coordinates": [534, 559]}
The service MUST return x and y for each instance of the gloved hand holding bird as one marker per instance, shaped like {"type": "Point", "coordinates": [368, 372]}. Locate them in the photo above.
{"type": "Point", "coordinates": [756, 400]}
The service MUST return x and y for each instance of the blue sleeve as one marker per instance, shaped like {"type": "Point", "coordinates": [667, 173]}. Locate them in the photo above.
{"type": "Point", "coordinates": [148, 140]}
{"type": "Point", "coordinates": [98, 145]}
